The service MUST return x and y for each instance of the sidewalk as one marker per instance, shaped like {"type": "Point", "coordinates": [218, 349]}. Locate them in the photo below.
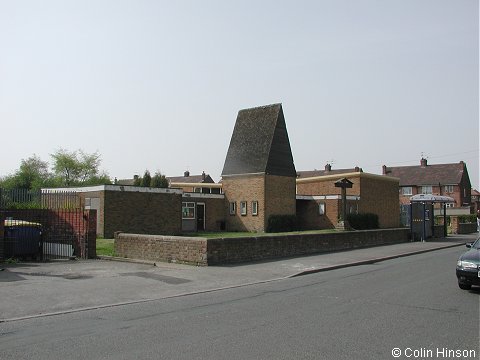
{"type": "Point", "coordinates": [45, 289]}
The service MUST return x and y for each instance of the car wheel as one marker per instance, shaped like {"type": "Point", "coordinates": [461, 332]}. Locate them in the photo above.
{"type": "Point", "coordinates": [464, 286]}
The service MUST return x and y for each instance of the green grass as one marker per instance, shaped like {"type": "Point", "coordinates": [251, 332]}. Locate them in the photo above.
{"type": "Point", "coordinates": [105, 247]}
{"type": "Point", "coordinates": [216, 235]}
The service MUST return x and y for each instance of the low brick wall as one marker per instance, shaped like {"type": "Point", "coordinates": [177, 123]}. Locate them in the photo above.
{"type": "Point", "coordinates": [236, 250]}
{"type": "Point", "coordinates": [466, 228]}
{"type": "Point", "coordinates": [462, 228]}
{"type": "Point", "coordinates": [202, 251]}
{"type": "Point", "coordinates": [185, 250]}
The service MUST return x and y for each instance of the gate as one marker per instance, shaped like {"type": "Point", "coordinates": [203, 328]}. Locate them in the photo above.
{"type": "Point", "coordinates": [44, 225]}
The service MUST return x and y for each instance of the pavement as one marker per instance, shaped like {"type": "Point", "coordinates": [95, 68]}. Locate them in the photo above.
{"type": "Point", "coordinates": [30, 290]}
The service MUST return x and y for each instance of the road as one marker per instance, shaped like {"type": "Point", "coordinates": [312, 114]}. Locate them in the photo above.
{"type": "Point", "coordinates": [411, 304]}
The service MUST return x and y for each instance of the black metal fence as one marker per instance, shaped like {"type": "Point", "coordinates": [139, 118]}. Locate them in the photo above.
{"type": "Point", "coordinates": [43, 225]}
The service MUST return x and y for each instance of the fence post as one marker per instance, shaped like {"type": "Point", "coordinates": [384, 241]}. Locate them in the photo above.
{"type": "Point", "coordinates": [2, 235]}
{"type": "Point", "coordinates": [91, 236]}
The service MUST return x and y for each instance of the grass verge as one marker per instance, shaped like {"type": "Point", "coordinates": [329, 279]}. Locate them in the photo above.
{"type": "Point", "coordinates": [105, 247]}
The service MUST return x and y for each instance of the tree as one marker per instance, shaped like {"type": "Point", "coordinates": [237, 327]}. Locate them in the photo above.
{"type": "Point", "coordinates": [159, 181]}
{"type": "Point", "coordinates": [32, 174]}
{"type": "Point", "coordinates": [78, 168]}
{"type": "Point", "coordinates": [146, 180]}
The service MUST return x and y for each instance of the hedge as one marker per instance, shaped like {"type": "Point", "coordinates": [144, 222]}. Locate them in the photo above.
{"type": "Point", "coordinates": [282, 223]}
{"type": "Point", "coordinates": [363, 221]}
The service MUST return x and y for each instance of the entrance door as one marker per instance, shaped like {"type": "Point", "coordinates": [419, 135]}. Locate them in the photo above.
{"type": "Point", "coordinates": [200, 216]}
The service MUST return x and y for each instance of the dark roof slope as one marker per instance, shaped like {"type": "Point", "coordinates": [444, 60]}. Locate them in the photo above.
{"type": "Point", "coordinates": [194, 179]}
{"type": "Point", "coordinates": [260, 143]}
{"type": "Point", "coordinates": [445, 174]}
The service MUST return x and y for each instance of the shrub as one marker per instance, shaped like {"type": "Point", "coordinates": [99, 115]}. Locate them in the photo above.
{"type": "Point", "coordinates": [462, 219]}
{"type": "Point", "coordinates": [282, 223]}
{"type": "Point", "coordinates": [363, 221]}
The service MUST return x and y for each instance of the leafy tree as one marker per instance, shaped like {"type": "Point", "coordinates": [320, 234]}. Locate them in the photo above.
{"type": "Point", "coordinates": [159, 181]}
{"type": "Point", "coordinates": [137, 181]}
{"type": "Point", "coordinates": [32, 174]}
{"type": "Point", "coordinates": [78, 168]}
{"type": "Point", "coordinates": [147, 179]}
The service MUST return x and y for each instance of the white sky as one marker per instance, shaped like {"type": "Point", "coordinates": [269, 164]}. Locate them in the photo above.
{"type": "Point", "coordinates": [157, 84]}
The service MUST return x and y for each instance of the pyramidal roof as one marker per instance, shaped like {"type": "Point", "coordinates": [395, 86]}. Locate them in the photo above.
{"type": "Point", "coordinates": [260, 143]}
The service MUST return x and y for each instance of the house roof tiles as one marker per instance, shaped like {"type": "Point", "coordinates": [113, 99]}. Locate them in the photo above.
{"type": "Point", "coordinates": [445, 174]}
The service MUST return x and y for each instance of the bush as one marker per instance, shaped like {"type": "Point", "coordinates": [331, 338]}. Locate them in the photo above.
{"type": "Point", "coordinates": [462, 219]}
{"type": "Point", "coordinates": [282, 223]}
{"type": "Point", "coordinates": [363, 221]}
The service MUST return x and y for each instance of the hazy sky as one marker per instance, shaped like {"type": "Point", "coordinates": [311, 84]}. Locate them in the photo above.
{"type": "Point", "coordinates": [157, 84]}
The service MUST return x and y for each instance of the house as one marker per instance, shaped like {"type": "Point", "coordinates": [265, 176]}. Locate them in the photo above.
{"type": "Point", "coordinates": [195, 183]}
{"type": "Point", "coordinates": [475, 200]}
{"type": "Point", "coordinates": [258, 176]}
{"type": "Point", "coordinates": [319, 200]}
{"type": "Point", "coordinates": [439, 179]}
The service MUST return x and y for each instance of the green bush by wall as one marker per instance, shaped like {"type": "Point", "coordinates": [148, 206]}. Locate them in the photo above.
{"type": "Point", "coordinates": [282, 223]}
{"type": "Point", "coordinates": [363, 221]}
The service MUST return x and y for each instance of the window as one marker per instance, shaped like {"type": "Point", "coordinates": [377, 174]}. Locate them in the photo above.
{"type": "Point", "coordinates": [243, 208]}
{"type": "Point", "coordinates": [427, 189]}
{"type": "Point", "coordinates": [197, 190]}
{"type": "Point", "coordinates": [233, 208]}
{"type": "Point", "coordinates": [407, 190]}
{"type": "Point", "coordinates": [448, 189]}
{"type": "Point", "coordinates": [188, 210]}
{"type": "Point", "coordinates": [321, 209]}
{"type": "Point", "coordinates": [254, 208]}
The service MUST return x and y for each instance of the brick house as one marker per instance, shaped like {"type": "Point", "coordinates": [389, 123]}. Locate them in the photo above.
{"type": "Point", "coordinates": [258, 176]}
{"type": "Point", "coordinates": [440, 179]}
{"type": "Point", "coordinates": [475, 200]}
{"type": "Point", "coordinates": [195, 183]}
{"type": "Point", "coordinates": [319, 201]}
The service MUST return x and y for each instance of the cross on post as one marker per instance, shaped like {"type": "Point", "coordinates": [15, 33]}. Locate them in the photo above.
{"type": "Point", "coordinates": [344, 184]}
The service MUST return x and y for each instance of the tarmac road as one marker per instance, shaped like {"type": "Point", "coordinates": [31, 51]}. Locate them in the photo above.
{"type": "Point", "coordinates": [404, 306]}
{"type": "Point", "coordinates": [47, 289]}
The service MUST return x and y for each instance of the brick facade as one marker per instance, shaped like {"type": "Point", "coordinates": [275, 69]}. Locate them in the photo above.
{"type": "Point", "coordinates": [274, 195]}
{"type": "Point", "coordinates": [376, 194]}
{"type": "Point", "coordinates": [248, 188]}
{"type": "Point", "coordinates": [142, 212]}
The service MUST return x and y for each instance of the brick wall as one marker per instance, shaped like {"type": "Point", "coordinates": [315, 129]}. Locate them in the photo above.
{"type": "Point", "coordinates": [142, 213]}
{"type": "Point", "coordinates": [462, 228]}
{"type": "Point", "coordinates": [245, 188]}
{"type": "Point", "coordinates": [162, 248]}
{"type": "Point", "coordinates": [236, 250]}
{"type": "Point", "coordinates": [280, 196]}
{"type": "Point", "coordinates": [379, 196]}
{"type": "Point", "coordinates": [201, 251]}
{"type": "Point", "coordinates": [309, 217]}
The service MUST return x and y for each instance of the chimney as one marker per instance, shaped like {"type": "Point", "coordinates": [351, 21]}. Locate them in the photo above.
{"type": "Point", "coordinates": [384, 170]}
{"type": "Point", "coordinates": [203, 175]}
{"type": "Point", "coordinates": [186, 173]}
{"type": "Point", "coordinates": [357, 169]}
{"type": "Point", "coordinates": [328, 167]}
{"type": "Point", "coordinates": [423, 162]}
